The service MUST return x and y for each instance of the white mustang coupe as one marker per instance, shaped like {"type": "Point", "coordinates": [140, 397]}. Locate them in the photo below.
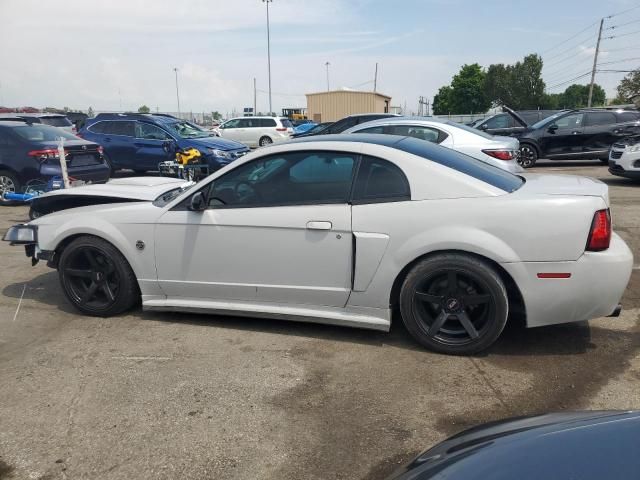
{"type": "Point", "coordinates": [341, 229]}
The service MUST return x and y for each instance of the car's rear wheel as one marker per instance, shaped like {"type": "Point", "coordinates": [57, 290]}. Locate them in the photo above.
{"type": "Point", "coordinates": [264, 141]}
{"type": "Point", "coordinates": [528, 155]}
{"type": "Point", "coordinates": [454, 303]}
{"type": "Point", "coordinates": [9, 183]}
{"type": "Point", "coordinates": [96, 278]}
{"type": "Point", "coordinates": [109, 164]}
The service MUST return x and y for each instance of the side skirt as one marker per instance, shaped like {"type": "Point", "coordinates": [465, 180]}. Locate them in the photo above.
{"type": "Point", "coordinates": [358, 317]}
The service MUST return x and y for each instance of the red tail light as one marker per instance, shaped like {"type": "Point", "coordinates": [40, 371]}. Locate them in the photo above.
{"type": "Point", "coordinates": [501, 154]}
{"type": "Point", "coordinates": [79, 135]}
{"type": "Point", "coordinates": [100, 150]}
{"type": "Point", "coordinates": [600, 234]}
{"type": "Point", "coordinates": [44, 155]}
{"type": "Point", "coordinates": [281, 129]}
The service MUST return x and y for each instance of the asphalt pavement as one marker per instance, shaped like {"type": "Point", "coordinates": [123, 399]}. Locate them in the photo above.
{"type": "Point", "coordinates": [166, 396]}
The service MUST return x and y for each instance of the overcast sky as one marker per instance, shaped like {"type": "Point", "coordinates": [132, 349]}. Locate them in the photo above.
{"type": "Point", "coordinates": [120, 54]}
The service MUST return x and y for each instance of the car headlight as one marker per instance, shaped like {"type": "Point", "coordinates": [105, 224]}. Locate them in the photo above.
{"type": "Point", "coordinates": [221, 154]}
{"type": "Point", "coordinates": [21, 234]}
{"type": "Point", "coordinates": [635, 148]}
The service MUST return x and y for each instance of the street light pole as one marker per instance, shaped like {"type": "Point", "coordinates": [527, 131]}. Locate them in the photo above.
{"type": "Point", "coordinates": [327, 65]}
{"type": "Point", "coordinates": [269, 54]}
{"type": "Point", "coordinates": [177, 92]}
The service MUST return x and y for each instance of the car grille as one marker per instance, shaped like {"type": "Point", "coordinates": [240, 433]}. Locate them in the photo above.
{"type": "Point", "coordinates": [619, 146]}
{"type": "Point", "coordinates": [614, 167]}
{"type": "Point", "coordinates": [615, 154]}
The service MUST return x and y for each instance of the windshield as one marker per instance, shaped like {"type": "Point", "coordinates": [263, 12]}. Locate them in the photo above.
{"type": "Point", "coordinates": [42, 133]}
{"type": "Point", "coordinates": [470, 129]}
{"type": "Point", "coordinates": [56, 121]}
{"type": "Point", "coordinates": [546, 121]}
{"type": "Point", "coordinates": [167, 197]}
{"type": "Point", "coordinates": [319, 128]}
{"type": "Point", "coordinates": [186, 130]}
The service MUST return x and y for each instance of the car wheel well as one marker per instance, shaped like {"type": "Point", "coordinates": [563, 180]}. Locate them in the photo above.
{"type": "Point", "coordinates": [532, 145]}
{"type": "Point", "coordinates": [517, 310]}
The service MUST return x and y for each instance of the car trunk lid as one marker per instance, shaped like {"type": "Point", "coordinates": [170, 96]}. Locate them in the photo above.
{"type": "Point", "coordinates": [564, 185]}
{"type": "Point", "coordinates": [78, 153]}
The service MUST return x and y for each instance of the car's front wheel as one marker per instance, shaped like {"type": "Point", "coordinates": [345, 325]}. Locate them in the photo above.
{"type": "Point", "coordinates": [8, 184]}
{"type": "Point", "coordinates": [96, 278]}
{"type": "Point", "coordinates": [454, 303]}
{"type": "Point", "coordinates": [528, 155]}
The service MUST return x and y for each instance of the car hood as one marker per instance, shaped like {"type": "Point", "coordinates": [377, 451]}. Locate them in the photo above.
{"type": "Point", "coordinates": [143, 212]}
{"type": "Point", "coordinates": [136, 188]}
{"type": "Point", "coordinates": [517, 117]}
{"type": "Point", "coordinates": [583, 445]}
{"type": "Point", "coordinates": [564, 185]}
{"type": "Point", "coordinates": [218, 143]}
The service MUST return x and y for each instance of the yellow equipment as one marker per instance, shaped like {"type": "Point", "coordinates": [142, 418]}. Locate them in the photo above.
{"type": "Point", "coordinates": [188, 156]}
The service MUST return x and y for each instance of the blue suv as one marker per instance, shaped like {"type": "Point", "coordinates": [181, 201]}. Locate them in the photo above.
{"type": "Point", "coordinates": [139, 141]}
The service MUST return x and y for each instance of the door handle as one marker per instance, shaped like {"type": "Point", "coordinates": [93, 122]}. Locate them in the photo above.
{"type": "Point", "coordinates": [319, 225]}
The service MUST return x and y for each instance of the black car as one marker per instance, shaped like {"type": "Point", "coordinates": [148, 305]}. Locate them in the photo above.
{"type": "Point", "coordinates": [576, 134]}
{"type": "Point", "coordinates": [29, 155]}
{"type": "Point", "coordinates": [581, 445]}
{"type": "Point", "coordinates": [347, 122]}
{"type": "Point", "coordinates": [510, 123]}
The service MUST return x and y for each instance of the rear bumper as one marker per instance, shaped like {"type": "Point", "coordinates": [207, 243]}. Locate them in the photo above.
{"type": "Point", "coordinates": [594, 289]}
{"type": "Point", "coordinates": [91, 173]}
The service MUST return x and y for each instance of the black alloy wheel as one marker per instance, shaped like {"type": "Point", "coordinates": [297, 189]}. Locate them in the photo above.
{"type": "Point", "coordinates": [528, 155]}
{"type": "Point", "coordinates": [264, 141]}
{"type": "Point", "coordinates": [454, 304]}
{"type": "Point", "coordinates": [96, 278]}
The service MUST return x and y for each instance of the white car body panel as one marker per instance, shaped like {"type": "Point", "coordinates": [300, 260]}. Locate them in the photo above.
{"type": "Point", "coordinates": [267, 262]}
{"type": "Point", "coordinates": [250, 136]}
{"type": "Point", "coordinates": [624, 158]}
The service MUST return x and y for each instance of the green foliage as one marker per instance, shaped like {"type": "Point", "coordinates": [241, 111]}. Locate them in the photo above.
{"type": "Point", "coordinates": [144, 109]}
{"type": "Point", "coordinates": [464, 95]}
{"type": "Point", "coordinates": [216, 115]}
{"type": "Point", "coordinates": [575, 96]}
{"type": "Point", "coordinates": [629, 87]}
{"type": "Point", "coordinates": [90, 112]}
{"type": "Point", "coordinates": [519, 86]}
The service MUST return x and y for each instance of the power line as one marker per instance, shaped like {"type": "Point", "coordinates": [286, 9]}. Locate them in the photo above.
{"type": "Point", "coordinates": [624, 11]}
{"type": "Point", "coordinates": [579, 44]}
{"type": "Point", "coordinates": [619, 61]}
{"type": "Point", "coordinates": [569, 39]}
{"type": "Point", "coordinates": [564, 68]}
{"type": "Point", "coordinates": [623, 24]}
{"type": "Point", "coordinates": [569, 81]}
{"type": "Point", "coordinates": [623, 35]}
{"type": "Point", "coordinates": [573, 54]}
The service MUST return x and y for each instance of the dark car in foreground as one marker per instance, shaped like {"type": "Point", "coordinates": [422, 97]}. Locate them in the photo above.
{"type": "Point", "coordinates": [510, 123]}
{"type": "Point", "coordinates": [29, 153]}
{"type": "Point", "coordinates": [346, 123]}
{"type": "Point", "coordinates": [594, 445]}
{"type": "Point", "coordinates": [139, 141]}
{"type": "Point", "coordinates": [576, 134]}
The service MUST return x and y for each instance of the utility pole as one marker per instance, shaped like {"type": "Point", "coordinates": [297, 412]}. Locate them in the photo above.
{"type": "Point", "coordinates": [269, 54]}
{"type": "Point", "coordinates": [375, 79]}
{"type": "Point", "coordinates": [255, 97]}
{"type": "Point", "coordinates": [595, 64]}
{"type": "Point", "coordinates": [175, 69]}
{"type": "Point", "coordinates": [327, 65]}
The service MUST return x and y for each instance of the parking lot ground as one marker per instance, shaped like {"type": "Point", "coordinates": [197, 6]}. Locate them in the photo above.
{"type": "Point", "coordinates": [165, 396]}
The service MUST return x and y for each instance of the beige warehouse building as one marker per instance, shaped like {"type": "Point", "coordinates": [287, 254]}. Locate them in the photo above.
{"type": "Point", "coordinates": [334, 105]}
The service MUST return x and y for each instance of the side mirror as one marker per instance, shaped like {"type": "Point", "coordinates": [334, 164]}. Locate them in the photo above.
{"type": "Point", "coordinates": [169, 146]}
{"type": "Point", "coordinates": [552, 128]}
{"type": "Point", "coordinates": [484, 126]}
{"type": "Point", "coordinates": [198, 202]}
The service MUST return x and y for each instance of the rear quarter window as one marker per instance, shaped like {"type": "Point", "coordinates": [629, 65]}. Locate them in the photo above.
{"type": "Point", "coordinates": [462, 163]}
{"type": "Point", "coordinates": [56, 121]}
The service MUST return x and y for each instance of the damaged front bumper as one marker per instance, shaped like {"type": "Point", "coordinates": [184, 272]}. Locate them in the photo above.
{"type": "Point", "coordinates": [27, 235]}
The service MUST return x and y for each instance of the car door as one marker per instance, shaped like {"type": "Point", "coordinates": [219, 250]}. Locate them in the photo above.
{"type": "Point", "coordinates": [231, 129]}
{"type": "Point", "coordinates": [563, 137]}
{"type": "Point", "coordinates": [276, 229]}
{"type": "Point", "coordinates": [599, 133]}
{"type": "Point", "coordinates": [501, 124]}
{"type": "Point", "coordinates": [149, 143]}
{"type": "Point", "coordinates": [118, 142]}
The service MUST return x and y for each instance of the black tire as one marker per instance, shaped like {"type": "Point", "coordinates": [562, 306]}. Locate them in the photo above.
{"type": "Point", "coordinates": [454, 304]}
{"type": "Point", "coordinates": [33, 213]}
{"type": "Point", "coordinates": [107, 160]}
{"type": "Point", "coordinates": [96, 278]}
{"type": "Point", "coordinates": [8, 183]}
{"type": "Point", "coordinates": [264, 141]}
{"type": "Point", "coordinates": [528, 155]}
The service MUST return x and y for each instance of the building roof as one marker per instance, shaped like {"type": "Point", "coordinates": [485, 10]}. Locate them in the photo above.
{"type": "Point", "coordinates": [329, 92]}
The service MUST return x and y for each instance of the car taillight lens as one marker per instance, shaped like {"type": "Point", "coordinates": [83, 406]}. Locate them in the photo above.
{"type": "Point", "coordinates": [501, 154]}
{"type": "Point", "coordinates": [44, 155]}
{"type": "Point", "coordinates": [100, 150]}
{"type": "Point", "coordinates": [281, 129]}
{"type": "Point", "coordinates": [600, 234]}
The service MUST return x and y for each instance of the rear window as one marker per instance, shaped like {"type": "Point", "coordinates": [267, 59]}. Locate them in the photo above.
{"type": "Point", "coordinates": [56, 121]}
{"type": "Point", "coordinates": [628, 116]}
{"type": "Point", "coordinates": [266, 122]}
{"type": "Point", "coordinates": [286, 123]}
{"type": "Point", "coordinates": [42, 133]}
{"type": "Point", "coordinates": [469, 129]}
{"type": "Point", "coordinates": [494, 176]}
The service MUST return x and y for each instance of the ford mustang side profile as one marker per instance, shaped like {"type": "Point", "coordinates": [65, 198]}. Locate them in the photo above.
{"type": "Point", "coordinates": [341, 229]}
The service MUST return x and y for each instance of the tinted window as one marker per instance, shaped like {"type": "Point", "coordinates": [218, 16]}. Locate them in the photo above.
{"type": "Point", "coordinates": [570, 121]}
{"type": "Point", "coordinates": [247, 123]}
{"type": "Point", "coordinates": [499, 121]}
{"type": "Point", "coordinates": [417, 131]}
{"type": "Point", "coordinates": [341, 125]}
{"type": "Point", "coordinates": [467, 128]}
{"type": "Point", "coordinates": [628, 117]}
{"type": "Point", "coordinates": [231, 123]}
{"type": "Point", "coordinates": [286, 123]}
{"type": "Point", "coordinates": [380, 181]}
{"type": "Point", "coordinates": [42, 133]}
{"type": "Point", "coordinates": [462, 163]}
{"type": "Point", "coordinates": [99, 127]}
{"type": "Point", "coordinates": [601, 118]}
{"type": "Point", "coordinates": [119, 128]}
{"type": "Point", "coordinates": [150, 132]}
{"type": "Point", "coordinates": [56, 121]}
{"type": "Point", "coordinates": [267, 122]}
{"type": "Point", "coordinates": [286, 179]}
{"type": "Point", "coordinates": [371, 130]}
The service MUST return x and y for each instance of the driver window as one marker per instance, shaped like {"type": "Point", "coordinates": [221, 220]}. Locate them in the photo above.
{"type": "Point", "coordinates": [570, 121]}
{"type": "Point", "coordinates": [150, 132]}
{"type": "Point", "coordinates": [231, 124]}
{"type": "Point", "coordinates": [296, 178]}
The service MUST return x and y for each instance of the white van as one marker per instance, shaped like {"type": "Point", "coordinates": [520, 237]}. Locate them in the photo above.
{"type": "Point", "coordinates": [256, 131]}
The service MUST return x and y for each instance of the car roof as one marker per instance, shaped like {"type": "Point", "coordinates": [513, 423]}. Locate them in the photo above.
{"type": "Point", "coordinates": [31, 115]}
{"type": "Point", "coordinates": [12, 123]}
{"type": "Point", "coordinates": [160, 117]}
{"type": "Point", "coordinates": [374, 138]}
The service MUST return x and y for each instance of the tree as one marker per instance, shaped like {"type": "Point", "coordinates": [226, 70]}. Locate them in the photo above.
{"type": "Point", "coordinates": [577, 96]}
{"type": "Point", "coordinates": [216, 115]}
{"type": "Point", "coordinates": [90, 112]}
{"type": "Point", "coordinates": [519, 86]}
{"type": "Point", "coordinates": [629, 87]}
{"type": "Point", "coordinates": [442, 101]}
{"type": "Point", "coordinates": [144, 109]}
